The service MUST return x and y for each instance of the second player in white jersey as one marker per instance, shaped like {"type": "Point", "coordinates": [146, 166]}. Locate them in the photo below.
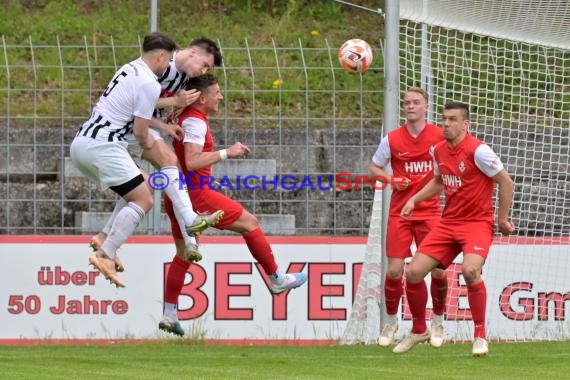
{"type": "Point", "coordinates": [99, 148]}
{"type": "Point", "coordinates": [198, 58]}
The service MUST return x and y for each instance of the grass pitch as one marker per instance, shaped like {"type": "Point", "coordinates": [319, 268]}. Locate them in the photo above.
{"type": "Point", "coordinates": [543, 360]}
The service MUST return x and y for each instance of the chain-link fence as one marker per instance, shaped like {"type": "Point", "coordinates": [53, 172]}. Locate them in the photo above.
{"type": "Point", "coordinates": [304, 118]}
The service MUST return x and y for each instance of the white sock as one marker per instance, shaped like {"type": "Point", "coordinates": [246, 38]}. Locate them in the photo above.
{"type": "Point", "coordinates": [123, 226]}
{"type": "Point", "coordinates": [181, 203]}
{"type": "Point", "coordinates": [118, 207]}
{"type": "Point", "coordinates": [437, 319]}
{"type": "Point", "coordinates": [277, 278]}
{"type": "Point", "coordinates": [179, 196]}
{"type": "Point", "coordinates": [187, 238]}
{"type": "Point", "coordinates": [392, 319]}
{"type": "Point", "coordinates": [171, 311]}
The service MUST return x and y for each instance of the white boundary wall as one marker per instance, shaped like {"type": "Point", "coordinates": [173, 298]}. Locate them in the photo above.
{"type": "Point", "coordinates": [231, 300]}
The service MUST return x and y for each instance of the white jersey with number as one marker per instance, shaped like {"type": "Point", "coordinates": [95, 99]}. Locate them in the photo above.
{"type": "Point", "coordinates": [133, 92]}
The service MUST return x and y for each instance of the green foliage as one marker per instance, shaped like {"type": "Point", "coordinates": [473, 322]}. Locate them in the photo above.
{"type": "Point", "coordinates": [311, 30]}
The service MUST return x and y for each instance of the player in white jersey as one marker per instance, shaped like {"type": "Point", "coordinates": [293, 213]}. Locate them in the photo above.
{"type": "Point", "coordinates": [99, 150]}
{"type": "Point", "coordinates": [201, 55]}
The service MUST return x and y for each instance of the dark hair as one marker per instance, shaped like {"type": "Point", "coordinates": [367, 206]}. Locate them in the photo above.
{"type": "Point", "coordinates": [458, 106]}
{"type": "Point", "coordinates": [158, 41]}
{"type": "Point", "coordinates": [201, 82]}
{"type": "Point", "coordinates": [210, 47]}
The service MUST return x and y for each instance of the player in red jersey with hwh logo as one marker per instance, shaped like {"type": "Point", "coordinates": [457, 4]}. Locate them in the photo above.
{"type": "Point", "coordinates": [466, 169]}
{"type": "Point", "coordinates": [409, 151]}
{"type": "Point", "coordinates": [196, 155]}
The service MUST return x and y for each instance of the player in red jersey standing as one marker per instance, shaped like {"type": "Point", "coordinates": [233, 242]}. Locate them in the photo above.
{"type": "Point", "coordinates": [408, 149]}
{"type": "Point", "coordinates": [466, 169]}
{"type": "Point", "coordinates": [196, 155]}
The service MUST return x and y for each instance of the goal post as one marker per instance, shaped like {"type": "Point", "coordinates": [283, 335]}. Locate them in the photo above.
{"type": "Point", "coordinates": [510, 61]}
{"type": "Point", "coordinates": [366, 316]}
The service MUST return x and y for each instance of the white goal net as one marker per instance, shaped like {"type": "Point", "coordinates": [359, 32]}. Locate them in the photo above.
{"type": "Point", "coordinates": [510, 61]}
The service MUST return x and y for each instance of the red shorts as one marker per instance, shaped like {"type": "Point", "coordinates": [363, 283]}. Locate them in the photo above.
{"type": "Point", "coordinates": [206, 201]}
{"type": "Point", "coordinates": [401, 232]}
{"type": "Point", "coordinates": [446, 241]}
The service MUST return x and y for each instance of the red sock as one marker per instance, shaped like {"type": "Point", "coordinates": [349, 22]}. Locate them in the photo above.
{"type": "Point", "coordinates": [393, 290]}
{"type": "Point", "coordinates": [477, 296]}
{"type": "Point", "coordinates": [175, 279]}
{"type": "Point", "coordinates": [417, 296]}
{"type": "Point", "coordinates": [261, 250]}
{"type": "Point", "coordinates": [438, 294]}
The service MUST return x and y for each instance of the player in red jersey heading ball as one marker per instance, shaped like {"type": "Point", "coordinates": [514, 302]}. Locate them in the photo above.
{"type": "Point", "coordinates": [197, 154]}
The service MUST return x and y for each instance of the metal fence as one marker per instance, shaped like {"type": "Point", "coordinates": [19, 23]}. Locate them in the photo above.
{"type": "Point", "coordinates": [293, 104]}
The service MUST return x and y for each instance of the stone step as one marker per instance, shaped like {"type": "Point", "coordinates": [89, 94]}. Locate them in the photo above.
{"type": "Point", "coordinates": [67, 169]}
{"type": "Point", "coordinates": [234, 167]}
{"type": "Point", "coordinates": [230, 168]}
{"type": "Point", "coordinates": [92, 222]}
{"type": "Point", "coordinates": [21, 163]}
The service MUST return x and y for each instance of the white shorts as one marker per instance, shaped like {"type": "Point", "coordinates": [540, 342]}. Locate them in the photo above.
{"type": "Point", "coordinates": [134, 147]}
{"type": "Point", "coordinates": [105, 163]}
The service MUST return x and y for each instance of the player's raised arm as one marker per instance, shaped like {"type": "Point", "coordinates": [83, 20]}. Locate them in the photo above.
{"type": "Point", "coordinates": [173, 130]}
{"type": "Point", "coordinates": [140, 130]}
{"type": "Point", "coordinates": [506, 187]}
{"type": "Point", "coordinates": [196, 159]}
{"type": "Point", "coordinates": [182, 99]}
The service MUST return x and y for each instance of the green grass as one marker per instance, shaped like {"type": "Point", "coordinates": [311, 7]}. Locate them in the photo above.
{"type": "Point", "coordinates": [544, 360]}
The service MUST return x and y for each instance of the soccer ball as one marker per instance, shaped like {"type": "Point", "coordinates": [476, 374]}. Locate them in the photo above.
{"type": "Point", "coordinates": [355, 55]}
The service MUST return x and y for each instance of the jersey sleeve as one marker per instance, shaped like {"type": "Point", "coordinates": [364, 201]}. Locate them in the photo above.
{"type": "Point", "coordinates": [194, 130]}
{"type": "Point", "coordinates": [487, 161]}
{"type": "Point", "coordinates": [382, 156]}
{"type": "Point", "coordinates": [435, 164]}
{"type": "Point", "coordinates": [146, 97]}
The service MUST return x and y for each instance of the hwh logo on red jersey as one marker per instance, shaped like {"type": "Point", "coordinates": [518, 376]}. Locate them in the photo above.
{"type": "Point", "coordinates": [418, 166]}
{"type": "Point", "coordinates": [451, 180]}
